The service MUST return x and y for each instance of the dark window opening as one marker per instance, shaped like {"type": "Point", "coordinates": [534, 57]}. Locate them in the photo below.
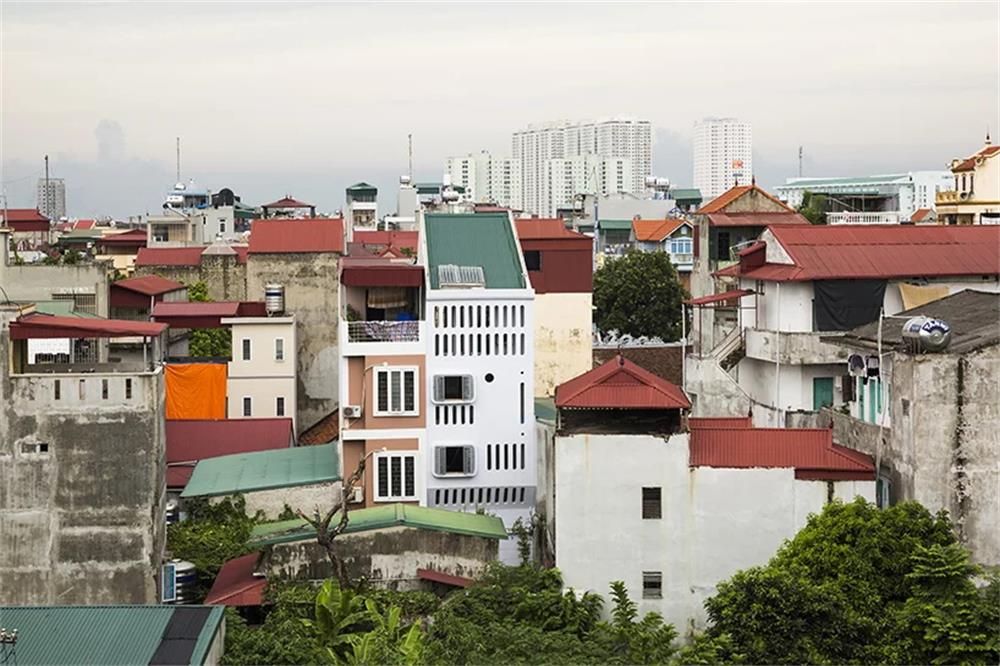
{"type": "Point", "coordinates": [652, 585]}
{"type": "Point", "coordinates": [652, 506]}
{"type": "Point", "coordinates": [533, 260]}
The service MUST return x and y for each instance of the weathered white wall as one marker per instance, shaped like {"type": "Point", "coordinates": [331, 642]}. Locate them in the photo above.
{"type": "Point", "coordinates": [563, 324]}
{"type": "Point", "coordinates": [304, 498]}
{"type": "Point", "coordinates": [715, 521]}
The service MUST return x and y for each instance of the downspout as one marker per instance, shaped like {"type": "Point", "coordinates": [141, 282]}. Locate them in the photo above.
{"type": "Point", "coordinates": [777, 355]}
{"type": "Point", "coordinates": [683, 346]}
{"type": "Point", "coordinates": [958, 455]}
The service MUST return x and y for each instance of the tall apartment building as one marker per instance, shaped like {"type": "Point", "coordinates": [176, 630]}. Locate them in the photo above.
{"type": "Point", "coordinates": [488, 179]}
{"type": "Point", "coordinates": [567, 177]}
{"type": "Point", "coordinates": [723, 155]}
{"type": "Point", "coordinates": [626, 139]}
{"type": "Point", "coordinates": [52, 198]}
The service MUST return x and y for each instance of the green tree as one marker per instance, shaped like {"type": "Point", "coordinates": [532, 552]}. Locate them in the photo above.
{"type": "Point", "coordinates": [639, 294]}
{"type": "Point", "coordinates": [207, 342]}
{"type": "Point", "coordinates": [856, 585]}
{"type": "Point", "coordinates": [813, 207]}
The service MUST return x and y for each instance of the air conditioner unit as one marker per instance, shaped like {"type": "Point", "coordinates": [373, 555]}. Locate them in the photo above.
{"type": "Point", "coordinates": [352, 411]}
{"type": "Point", "coordinates": [357, 495]}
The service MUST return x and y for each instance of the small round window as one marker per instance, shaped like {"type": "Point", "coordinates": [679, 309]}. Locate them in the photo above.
{"type": "Point", "coordinates": [489, 377]}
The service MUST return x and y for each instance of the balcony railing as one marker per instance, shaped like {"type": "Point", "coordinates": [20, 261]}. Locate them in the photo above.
{"type": "Point", "coordinates": [383, 331]}
{"type": "Point", "coordinates": [879, 217]}
{"type": "Point", "coordinates": [679, 258]}
{"type": "Point", "coordinates": [947, 197]}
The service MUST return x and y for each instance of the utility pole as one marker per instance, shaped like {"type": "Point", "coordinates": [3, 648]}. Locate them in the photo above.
{"type": "Point", "coordinates": [48, 197]}
{"type": "Point", "coordinates": [409, 148]}
{"type": "Point", "coordinates": [178, 159]}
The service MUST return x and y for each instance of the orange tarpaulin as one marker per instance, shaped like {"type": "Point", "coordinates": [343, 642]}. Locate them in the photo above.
{"type": "Point", "coordinates": [196, 391]}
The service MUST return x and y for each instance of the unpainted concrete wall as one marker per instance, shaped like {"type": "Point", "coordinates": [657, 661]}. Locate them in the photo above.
{"type": "Point", "coordinates": [311, 282]}
{"type": "Point", "coordinates": [225, 278]}
{"type": "Point", "coordinates": [388, 557]}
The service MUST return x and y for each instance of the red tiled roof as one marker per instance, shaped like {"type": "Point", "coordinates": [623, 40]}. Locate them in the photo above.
{"type": "Point", "coordinates": [37, 326]}
{"type": "Point", "coordinates": [149, 285]}
{"type": "Point", "coordinates": [719, 422]}
{"type": "Point", "coordinates": [920, 214]}
{"type": "Point", "coordinates": [287, 202]}
{"type": "Point", "coordinates": [832, 252]}
{"type": "Point", "coordinates": [544, 229]}
{"type": "Point", "coordinates": [169, 256]}
{"type": "Point", "coordinates": [754, 219]}
{"type": "Point", "coordinates": [620, 384]}
{"type": "Point", "coordinates": [811, 452]}
{"type": "Point", "coordinates": [719, 203]}
{"type": "Point", "coordinates": [656, 230]}
{"type": "Point", "coordinates": [719, 298]}
{"type": "Point", "coordinates": [284, 236]}
{"type": "Point", "coordinates": [969, 163]}
{"type": "Point", "coordinates": [191, 440]}
{"type": "Point", "coordinates": [22, 215]}
{"type": "Point", "coordinates": [236, 584]}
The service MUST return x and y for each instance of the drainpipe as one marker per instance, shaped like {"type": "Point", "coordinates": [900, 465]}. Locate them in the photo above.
{"type": "Point", "coordinates": [683, 345]}
{"type": "Point", "coordinates": [777, 354]}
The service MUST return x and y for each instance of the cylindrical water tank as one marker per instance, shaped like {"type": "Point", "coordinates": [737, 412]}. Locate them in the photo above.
{"type": "Point", "coordinates": [187, 577]}
{"type": "Point", "coordinates": [449, 196]}
{"type": "Point", "coordinates": [927, 334]}
{"type": "Point", "coordinates": [274, 299]}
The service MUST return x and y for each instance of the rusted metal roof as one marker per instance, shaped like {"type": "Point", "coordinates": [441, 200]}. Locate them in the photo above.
{"type": "Point", "coordinates": [381, 274]}
{"type": "Point", "coordinates": [149, 285]}
{"type": "Point", "coordinates": [287, 202]}
{"type": "Point", "coordinates": [811, 452]}
{"type": "Point", "coordinates": [38, 326]}
{"type": "Point", "coordinates": [545, 229]}
{"type": "Point", "coordinates": [441, 577]}
{"type": "Point", "coordinates": [717, 422]}
{"type": "Point", "coordinates": [288, 236]}
{"type": "Point", "coordinates": [204, 314]}
{"type": "Point", "coordinates": [719, 298]}
{"type": "Point", "coordinates": [237, 583]}
{"type": "Point", "coordinates": [620, 384]}
{"type": "Point", "coordinates": [720, 202]}
{"type": "Point", "coordinates": [398, 239]}
{"type": "Point", "coordinates": [191, 440]}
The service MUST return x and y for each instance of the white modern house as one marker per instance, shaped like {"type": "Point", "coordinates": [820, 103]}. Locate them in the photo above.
{"type": "Point", "coordinates": [637, 497]}
{"type": "Point", "coordinates": [261, 377]}
{"type": "Point", "coordinates": [798, 284]}
{"type": "Point", "coordinates": [887, 199]}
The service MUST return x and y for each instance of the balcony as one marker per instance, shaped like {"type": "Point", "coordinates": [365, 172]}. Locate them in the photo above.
{"type": "Point", "coordinates": [948, 197]}
{"type": "Point", "coordinates": [360, 338]}
{"type": "Point", "coordinates": [877, 217]}
{"type": "Point", "coordinates": [796, 348]}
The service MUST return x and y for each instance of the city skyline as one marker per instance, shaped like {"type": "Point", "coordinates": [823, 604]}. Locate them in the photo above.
{"type": "Point", "coordinates": [292, 121]}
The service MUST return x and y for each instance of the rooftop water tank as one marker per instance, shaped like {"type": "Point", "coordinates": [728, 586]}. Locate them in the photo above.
{"type": "Point", "coordinates": [926, 334]}
{"type": "Point", "coordinates": [274, 299]}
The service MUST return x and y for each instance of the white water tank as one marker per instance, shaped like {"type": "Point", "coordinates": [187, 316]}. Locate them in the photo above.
{"type": "Point", "coordinates": [926, 334]}
{"type": "Point", "coordinates": [274, 299]}
{"type": "Point", "coordinates": [187, 577]}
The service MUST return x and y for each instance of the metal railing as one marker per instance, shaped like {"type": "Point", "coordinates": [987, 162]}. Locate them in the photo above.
{"type": "Point", "coordinates": [878, 217]}
{"type": "Point", "coordinates": [383, 331]}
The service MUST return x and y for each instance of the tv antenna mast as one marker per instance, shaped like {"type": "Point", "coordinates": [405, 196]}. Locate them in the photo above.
{"type": "Point", "coordinates": [178, 160]}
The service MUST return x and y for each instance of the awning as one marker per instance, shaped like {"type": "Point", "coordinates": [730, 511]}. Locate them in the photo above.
{"type": "Point", "coordinates": [389, 275]}
{"type": "Point", "coordinates": [38, 326]}
{"type": "Point", "coordinates": [719, 298]}
{"type": "Point", "coordinates": [198, 314]}
{"type": "Point", "coordinates": [440, 577]}
{"type": "Point", "coordinates": [237, 584]}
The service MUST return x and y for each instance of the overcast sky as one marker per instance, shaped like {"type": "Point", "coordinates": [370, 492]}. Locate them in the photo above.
{"type": "Point", "coordinates": [305, 98]}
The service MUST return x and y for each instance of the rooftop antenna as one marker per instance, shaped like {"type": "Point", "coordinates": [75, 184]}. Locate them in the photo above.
{"type": "Point", "coordinates": [409, 143]}
{"type": "Point", "coordinates": [988, 135]}
{"type": "Point", "coordinates": [178, 160]}
{"type": "Point", "coordinates": [48, 208]}
{"type": "Point", "coordinates": [800, 161]}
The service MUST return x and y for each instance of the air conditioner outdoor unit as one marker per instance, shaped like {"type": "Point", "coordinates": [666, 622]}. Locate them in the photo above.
{"type": "Point", "coordinates": [357, 495]}
{"type": "Point", "coordinates": [352, 411]}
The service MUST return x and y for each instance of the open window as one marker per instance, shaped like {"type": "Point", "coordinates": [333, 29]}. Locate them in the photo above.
{"type": "Point", "coordinates": [454, 389]}
{"type": "Point", "coordinates": [457, 460]}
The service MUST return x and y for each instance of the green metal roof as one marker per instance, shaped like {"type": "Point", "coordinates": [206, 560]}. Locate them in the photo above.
{"type": "Point", "coordinates": [474, 239]}
{"type": "Point", "coordinates": [264, 470]}
{"type": "Point", "coordinates": [362, 186]}
{"type": "Point", "coordinates": [863, 180]}
{"type": "Point", "coordinates": [98, 635]}
{"type": "Point", "coordinates": [685, 194]}
{"type": "Point", "coordinates": [61, 309]}
{"type": "Point", "coordinates": [545, 409]}
{"type": "Point", "coordinates": [380, 517]}
{"type": "Point", "coordinates": [614, 225]}
{"type": "Point", "coordinates": [435, 188]}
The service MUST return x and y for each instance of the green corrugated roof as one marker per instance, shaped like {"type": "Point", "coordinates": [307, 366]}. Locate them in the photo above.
{"type": "Point", "coordinates": [545, 409]}
{"type": "Point", "coordinates": [435, 188]}
{"type": "Point", "coordinates": [863, 180]}
{"type": "Point", "coordinates": [61, 309]}
{"type": "Point", "coordinates": [614, 225]}
{"type": "Point", "coordinates": [380, 517]}
{"type": "Point", "coordinates": [99, 635]}
{"type": "Point", "coordinates": [685, 194]}
{"type": "Point", "coordinates": [264, 470]}
{"type": "Point", "coordinates": [474, 239]}
{"type": "Point", "coordinates": [362, 186]}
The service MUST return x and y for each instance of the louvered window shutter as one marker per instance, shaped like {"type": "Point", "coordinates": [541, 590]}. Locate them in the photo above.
{"type": "Point", "coordinates": [439, 387]}
{"type": "Point", "coordinates": [467, 387]}
{"type": "Point", "coordinates": [439, 460]}
{"type": "Point", "coordinates": [469, 459]}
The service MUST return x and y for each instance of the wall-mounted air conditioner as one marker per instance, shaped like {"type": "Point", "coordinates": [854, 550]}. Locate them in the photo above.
{"type": "Point", "coordinates": [352, 411]}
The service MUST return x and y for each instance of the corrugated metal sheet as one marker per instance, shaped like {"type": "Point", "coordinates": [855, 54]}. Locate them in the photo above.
{"type": "Point", "coordinates": [620, 384]}
{"type": "Point", "coordinates": [545, 229]}
{"type": "Point", "coordinates": [480, 239]}
{"type": "Point", "coordinates": [717, 422]}
{"type": "Point", "coordinates": [387, 515]}
{"type": "Point", "coordinates": [198, 439]}
{"type": "Point", "coordinates": [149, 285]}
{"type": "Point", "coordinates": [718, 298]}
{"type": "Point", "coordinates": [288, 236]}
{"type": "Point", "coordinates": [656, 230]}
{"type": "Point", "coordinates": [236, 584]}
{"type": "Point", "coordinates": [802, 449]}
{"type": "Point", "coordinates": [755, 219]}
{"type": "Point", "coordinates": [35, 326]}
{"type": "Point", "coordinates": [97, 635]}
{"type": "Point", "coordinates": [264, 470]}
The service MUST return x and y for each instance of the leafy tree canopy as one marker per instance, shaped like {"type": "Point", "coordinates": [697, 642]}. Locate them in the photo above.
{"type": "Point", "coordinates": [639, 294]}
{"type": "Point", "coordinates": [207, 342]}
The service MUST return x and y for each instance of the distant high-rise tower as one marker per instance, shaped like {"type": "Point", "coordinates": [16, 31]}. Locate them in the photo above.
{"type": "Point", "coordinates": [621, 146]}
{"type": "Point", "coordinates": [52, 203]}
{"type": "Point", "coordinates": [487, 179]}
{"type": "Point", "coordinates": [723, 155]}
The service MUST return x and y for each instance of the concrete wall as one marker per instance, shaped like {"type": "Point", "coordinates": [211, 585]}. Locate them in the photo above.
{"type": "Point", "coordinates": [715, 521]}
{"type": "Point", "coordinates": [305, 498]}
{"type": "Point", "coordinates": [563, 323]}
{"type": "Point", "coordinates": [223, 275]}
{"type": "Point", "coordinates": [36, 282]}
{"type": "Point", "coordinates": [387, 557]}
{"type": "Point", "coordinates": [712, 391]}
{"type": "Point", "coordinates": [82, 523]}
{"type": "Point", "coordinates": [312, 290]}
